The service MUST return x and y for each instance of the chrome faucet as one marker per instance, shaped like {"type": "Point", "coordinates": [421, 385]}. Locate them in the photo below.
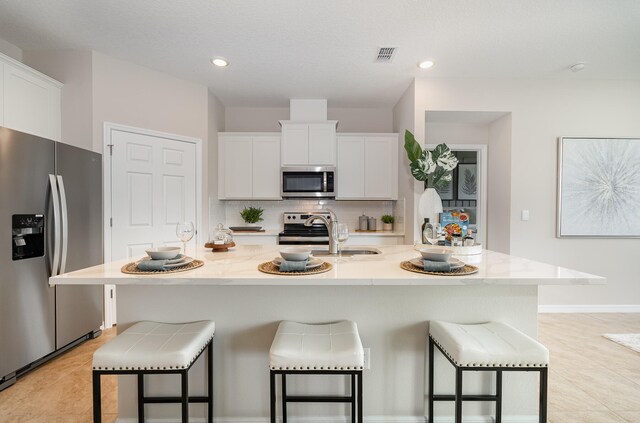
{"type": "Point", "coordinates": [332, 227]}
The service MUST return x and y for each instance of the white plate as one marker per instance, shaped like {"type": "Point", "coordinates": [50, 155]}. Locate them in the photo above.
{"type": "Point", "coordinates": [311, 264]}
{"type": "Point", "coordinates": [172, 264]}
{"type": "Point", "coordinates": [454, 262]}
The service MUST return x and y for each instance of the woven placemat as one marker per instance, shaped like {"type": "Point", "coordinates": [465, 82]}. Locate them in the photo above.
{"type": "Point", "coordinates": [132, 269]}
{"type": "Point", "coordinates": [466, 270]}
{"type": "Point", "coordinates": [269, 267]}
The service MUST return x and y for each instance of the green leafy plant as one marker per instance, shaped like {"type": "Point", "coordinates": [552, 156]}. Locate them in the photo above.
{"type": "Point", "coordinates": [251, 214]}
{"type": "Point", "coordinates": [434, 167]}
{"type": "Point", "coordinates": [387, 218]}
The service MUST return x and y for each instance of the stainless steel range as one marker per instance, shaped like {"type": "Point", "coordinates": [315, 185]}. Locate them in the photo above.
{"type": "Point", "coordinates": [296, 233]}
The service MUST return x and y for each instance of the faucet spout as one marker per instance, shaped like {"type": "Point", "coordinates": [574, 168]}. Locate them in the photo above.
{"type": "Point", "coordinates": [332, 228]}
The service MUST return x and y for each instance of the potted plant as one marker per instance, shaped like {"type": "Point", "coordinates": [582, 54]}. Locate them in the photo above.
{"type": "Point", "coordinates": [251, 215]}
{"type": "Point", "coordinates": [434, 168]}
{"type": "Point", "coordinates": [387, 222]}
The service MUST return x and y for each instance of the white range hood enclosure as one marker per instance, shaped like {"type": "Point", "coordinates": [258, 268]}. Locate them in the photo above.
{"type": "Point", "coordinates": [307, 110]}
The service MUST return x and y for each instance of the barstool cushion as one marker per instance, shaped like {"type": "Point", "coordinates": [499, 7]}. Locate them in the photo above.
{"type": "Point", "coordinates": [332, 346]}
{"type": "Point", "coordinates": [492, 344]}
{"type": "Point", "coordinates": [155, 346]}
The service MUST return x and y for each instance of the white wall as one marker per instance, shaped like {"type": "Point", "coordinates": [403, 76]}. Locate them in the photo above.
{"type": "Point", "coordinates": [499, 185]}
{"type": "Point", "coordinates": [216, 117]}
{"type": "Point", "coordinates": [543, 110]}
{"type": "Point", "coordinates": [265, 119]}
{"type": "Point", "coordinates": [404, 118]}
{"type": "Point", "coordinates": [11, 50]}
{"type": "Point", "coordinates": [74, 69]}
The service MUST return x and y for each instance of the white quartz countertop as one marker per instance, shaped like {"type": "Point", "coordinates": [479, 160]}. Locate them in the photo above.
{"type": "Point", "coordinates": [239, 265]}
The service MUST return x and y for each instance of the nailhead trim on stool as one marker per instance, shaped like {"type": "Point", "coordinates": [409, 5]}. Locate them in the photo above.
{"type": "Point", "coordinates": [333, 348]}
{"type": "Point", "coordinates": [157, 348]}
{"type": "Point", "coordinates": [491, 346]}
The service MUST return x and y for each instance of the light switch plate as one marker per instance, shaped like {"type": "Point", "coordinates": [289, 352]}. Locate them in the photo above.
{"type": "Point", "coordinates": [525, 215]}
{"type": "Point", "coordinates": [367, 358]}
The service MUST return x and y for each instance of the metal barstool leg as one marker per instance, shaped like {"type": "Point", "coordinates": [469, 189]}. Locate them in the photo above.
{"type": "Point", "coordinates": [359, 400]}
{"type": "Point", "coordinates": [185, 396]}
{"type": "Point", "coordinates": [544, 374]}
{"type": "Point", "coordinates": [458, 395]}
{"type": "Point", "coordinates": [499, 396]}
{"type": "Point", "coordinates": [284, 398]}
{"type": "Point", "coordinates": [97, 398]}
{"type": "Point", "coordinates": [353, 397]}
{"type": "Point", "coordinates": [210, 382]}
{"type": "Point", "coordinates": [272, 395]}
{"type": "Point", "coordinates": [141, 397]}
{"type": "Point", "coordinates": [431, 378]}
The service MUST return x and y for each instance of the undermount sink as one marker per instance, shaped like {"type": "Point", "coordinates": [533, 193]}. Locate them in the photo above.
{"type": "Point", "coordinates": [346, 252]}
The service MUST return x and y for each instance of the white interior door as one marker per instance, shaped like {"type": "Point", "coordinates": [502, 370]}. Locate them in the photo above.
{"type": "Point", "coordinates": [153, 187]}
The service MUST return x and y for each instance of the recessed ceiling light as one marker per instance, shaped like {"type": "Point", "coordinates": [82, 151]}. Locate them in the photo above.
{"type": "Point", "coordinates": [220, 61]}
{"type": "Point", "coordinates": [426, 64]}
{"type": "Point", "coordinates": [577, 67]}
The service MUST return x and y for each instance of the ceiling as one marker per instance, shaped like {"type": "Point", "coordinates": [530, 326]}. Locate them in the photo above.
{"type": "Point", "coordinates": [281, 49]}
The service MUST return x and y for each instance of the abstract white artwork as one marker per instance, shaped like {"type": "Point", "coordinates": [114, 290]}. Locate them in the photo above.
{"type": "Point", "coordinates": [599, 187]}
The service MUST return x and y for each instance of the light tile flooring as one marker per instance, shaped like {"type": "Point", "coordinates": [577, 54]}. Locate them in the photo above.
{"type": "Point", "coordinates": [592, 379]}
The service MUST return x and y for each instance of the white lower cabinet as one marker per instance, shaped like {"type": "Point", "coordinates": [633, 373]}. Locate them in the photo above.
{"type": "Point", "coordinates": [367, 167]}
{"type": "Point", "coordinates": [30, 101]}
{"type": "Point", "coordinates": [248, 166]}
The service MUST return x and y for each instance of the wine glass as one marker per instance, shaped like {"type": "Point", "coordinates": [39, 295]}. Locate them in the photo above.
{"type": "Point", "coordinates": [343, 236]}
{"type": "Point", "coordinates": [184, 232]}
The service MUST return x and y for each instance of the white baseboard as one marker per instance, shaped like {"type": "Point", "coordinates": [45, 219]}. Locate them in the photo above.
{"type": "Point", "coordinates": [589, 308]}
{"type": "Point", "coordinates": [343, 419]}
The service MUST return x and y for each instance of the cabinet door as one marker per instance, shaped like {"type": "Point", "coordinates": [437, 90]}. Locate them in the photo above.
{"type": "Point", "coordinates": [322, 144]}
{"type": "Point", "coordinates": [31, 104]}
{"type": "Point", "coordinates": [266, 167]}
{"type": "Point", "coordinates": [381, 164]}
{"type": "Point", "coordinates": [295, 144]}
{"type": "Point", "coordinates": [236, 165]}
{"type": "Point", "coordinates": [350, 169]}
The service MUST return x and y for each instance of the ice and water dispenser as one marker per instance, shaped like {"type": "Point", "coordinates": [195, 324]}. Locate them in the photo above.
{"type": "Point", "coordinates": [28, 236]}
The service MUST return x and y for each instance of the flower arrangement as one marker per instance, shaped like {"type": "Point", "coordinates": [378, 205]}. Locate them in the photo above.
{"type": "Point", "coordinates": [434, 167]}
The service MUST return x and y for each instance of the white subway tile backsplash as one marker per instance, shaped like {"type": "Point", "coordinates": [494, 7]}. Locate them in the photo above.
{"type": "Point", "coordinates": [347, 211]}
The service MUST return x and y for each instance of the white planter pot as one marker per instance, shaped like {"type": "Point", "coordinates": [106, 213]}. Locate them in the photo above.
{"type": "Point", "coordinates": [387, 226]}
{"type": "Point", "coordinates": [430, 206]}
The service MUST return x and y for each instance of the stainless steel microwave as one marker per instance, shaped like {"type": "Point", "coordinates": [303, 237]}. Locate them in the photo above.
{"type": "Point", "coordinates": [308, 182]}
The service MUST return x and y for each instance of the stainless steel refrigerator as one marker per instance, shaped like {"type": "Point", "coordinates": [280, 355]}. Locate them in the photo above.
{"type": "Point", "coordinates": [51, 222]}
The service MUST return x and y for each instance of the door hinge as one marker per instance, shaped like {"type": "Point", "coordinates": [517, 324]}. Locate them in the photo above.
{"type": "Point", "coordinates": [110, 149]}
{"type": "Point", "coordinates": [111, 293]}
{"type": "Point", "coordinates": [111, 222]}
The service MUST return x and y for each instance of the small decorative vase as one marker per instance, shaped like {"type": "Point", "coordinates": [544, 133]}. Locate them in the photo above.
{"type": "Point", "coordinates": [430, 205]}
{"type": "Point", "coordinates": [387, 227]}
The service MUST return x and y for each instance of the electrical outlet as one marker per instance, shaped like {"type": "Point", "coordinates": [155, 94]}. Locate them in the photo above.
{"type": "Point", "coordinates": [367, 358]}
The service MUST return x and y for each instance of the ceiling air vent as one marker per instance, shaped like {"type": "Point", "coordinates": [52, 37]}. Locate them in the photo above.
{"type": "Point", "coordinates": [385, 54]}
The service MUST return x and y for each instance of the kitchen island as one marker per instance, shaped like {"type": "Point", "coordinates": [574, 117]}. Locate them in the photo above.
{"type": "Point", "coordinates": [391, 306]}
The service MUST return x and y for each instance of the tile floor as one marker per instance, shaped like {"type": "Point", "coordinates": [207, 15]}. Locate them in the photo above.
{"type": "Point", "coordinates": [592, 379]}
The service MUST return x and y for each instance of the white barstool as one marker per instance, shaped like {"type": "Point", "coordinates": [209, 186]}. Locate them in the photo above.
{"type": "Point", "coordinates": [333, 348]}
{"type": "Point", "coordinates": [157, 348]}
{"type": "Point", "coordinates": [491, 346]}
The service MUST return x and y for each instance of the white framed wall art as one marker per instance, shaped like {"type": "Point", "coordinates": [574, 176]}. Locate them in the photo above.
{"type": "Point", "coordinates": [598, 187]}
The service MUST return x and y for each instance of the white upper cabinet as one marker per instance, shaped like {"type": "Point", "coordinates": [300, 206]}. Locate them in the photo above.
{"type": "Point", "coordinates": [30, 100]}
{"type": "Point", "coordinates": [367, 167]}
{"type": "Point", "coordinates": [312, 143]}
{"type": "Point", "coordinates": [248, 166]}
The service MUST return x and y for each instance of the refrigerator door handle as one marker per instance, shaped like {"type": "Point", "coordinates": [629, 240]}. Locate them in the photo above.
{"type": "Point", "coordinates": [65, 225]}
{"type": "Point", "coordinates": [56, 225]}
